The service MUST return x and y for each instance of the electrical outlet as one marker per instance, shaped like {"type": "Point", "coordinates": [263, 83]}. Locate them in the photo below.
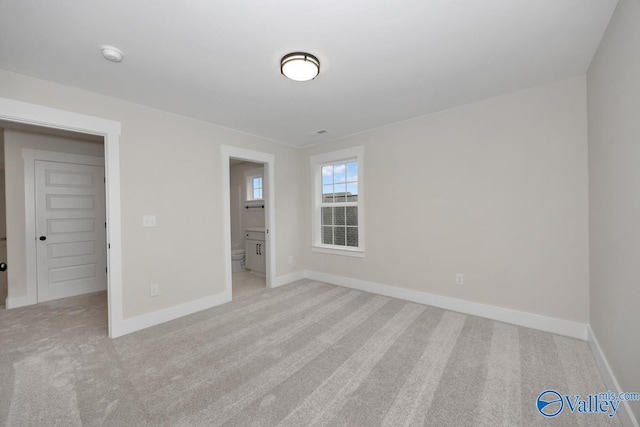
{"type": "Point", "coordinates": [459, 279]}
{"type": "Point", "coordinates": [149, 221]}
{"type": "Point", "coordinates": [154, 290]}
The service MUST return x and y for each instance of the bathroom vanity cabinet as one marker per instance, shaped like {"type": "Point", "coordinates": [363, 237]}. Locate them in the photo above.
{"type": "Point", "coordinates": [255, 251]}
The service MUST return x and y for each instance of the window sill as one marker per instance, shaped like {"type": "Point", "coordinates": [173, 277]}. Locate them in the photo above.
{"type": "Point", "coordinates": [357, 253]}
{"type": "Point", "coordinates": [254, 202]}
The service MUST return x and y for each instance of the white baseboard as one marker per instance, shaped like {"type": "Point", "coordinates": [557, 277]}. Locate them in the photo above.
{"type": "Point", "coordinates": [155, 318]}
{"type": "Point", "coordinates": [530, 320]}
{"type": "Point", "coordinates": [626, 415]}
{"type": "Point", "coordinates": [20, 301]}
{"type": "Point", "coordinates": [287, 278]}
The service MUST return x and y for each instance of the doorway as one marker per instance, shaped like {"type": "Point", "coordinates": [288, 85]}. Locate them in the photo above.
{"type": "Point", "coordinates": [249, 220]}
{"type": "Point", "coordinates": [56, 214]}
{"type": "Point", "coordinates": [23, 113]}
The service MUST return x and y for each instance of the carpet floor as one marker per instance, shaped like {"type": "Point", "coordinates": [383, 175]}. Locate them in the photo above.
{"type": "Point", "coordinates": [303, 354]}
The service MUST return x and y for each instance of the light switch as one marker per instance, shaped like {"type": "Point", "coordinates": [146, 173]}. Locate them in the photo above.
{"type": "Point", "coordinates": [149, 221]}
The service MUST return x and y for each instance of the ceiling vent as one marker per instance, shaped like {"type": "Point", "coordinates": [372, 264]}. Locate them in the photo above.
{"type": "Point", "coordinates": [318, 132]}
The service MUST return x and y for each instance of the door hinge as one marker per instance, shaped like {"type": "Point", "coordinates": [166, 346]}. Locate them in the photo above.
{"type": "Point", "coordinates": [106, 270]}
{"type": "Point", "coordinates": [105, 225]}
{"type": "Point", "coordinates": [109, 246]}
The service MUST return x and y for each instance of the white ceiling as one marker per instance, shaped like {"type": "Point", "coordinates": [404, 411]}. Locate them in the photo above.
{"type": "Point", "coordinates": [381, 61]}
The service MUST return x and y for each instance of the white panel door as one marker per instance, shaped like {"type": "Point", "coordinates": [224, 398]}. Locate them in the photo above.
{"type": "Point", "coordinates": [70, 229]}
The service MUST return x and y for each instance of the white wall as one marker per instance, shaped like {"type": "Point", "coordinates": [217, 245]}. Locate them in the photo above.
{"type": "Point", "coordinates": [496, 190]}
{"type": "Point", "coordinates": [14, 142]}
{"type": "Point", "coordinates": [613, 82]}
{"type": "Point", "coordinates": [171, 167]}
{"type": "Point", "coordinates": [235, 203]}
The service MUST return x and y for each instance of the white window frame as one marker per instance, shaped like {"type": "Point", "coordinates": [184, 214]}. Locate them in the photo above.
{"type": "Point", "coordinates": [249, 175]}
{"type": "Point", "coordinates": [317, 162]}
{"type": "Point", "coordinates": [253, 188]}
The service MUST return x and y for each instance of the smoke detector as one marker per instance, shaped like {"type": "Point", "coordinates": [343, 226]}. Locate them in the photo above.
{"type": "Point", "coordinates": [111, 53]}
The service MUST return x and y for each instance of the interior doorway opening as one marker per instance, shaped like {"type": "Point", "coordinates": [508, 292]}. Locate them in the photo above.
{"type": "Point", "coordinates": [55, 216]}
{"type": "Point", "coordinates": [249, 218]}
{"type": "Point", "coordinates": [248, 226]}
{"type": "Point", "coordinates": [24, 113]}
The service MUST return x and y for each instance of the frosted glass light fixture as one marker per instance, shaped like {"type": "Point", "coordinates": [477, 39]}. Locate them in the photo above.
{"type": "Point", "coordinates": [300, 66]}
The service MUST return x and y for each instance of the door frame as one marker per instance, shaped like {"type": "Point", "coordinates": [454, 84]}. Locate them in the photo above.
{"type": "Point", "coordinates": [3, 242]}
{"type": "Point", "coordinates": [38, 115]}
{"type": "Point", "coordinates": [268, 160]}
{"type": "Point", "coordinates": [30, 156]}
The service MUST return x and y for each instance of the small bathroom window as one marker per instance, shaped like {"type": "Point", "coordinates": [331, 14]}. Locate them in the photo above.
{"type": "Point", "coordinates": [255, 184]}
{"type": "Point", "coordinates": [256, 187]}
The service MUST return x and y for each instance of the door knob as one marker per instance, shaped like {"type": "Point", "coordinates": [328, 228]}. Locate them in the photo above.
{"type": "Point", "coordinates": [43, 238]}
{"type": "Point", "coordinates": [3, 266]}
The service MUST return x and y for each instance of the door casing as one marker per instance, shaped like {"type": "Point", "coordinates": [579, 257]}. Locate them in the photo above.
{"type": "Point", "coordinates": [38, 115]}
{"type": "Point", "coordinates": [268, 160]}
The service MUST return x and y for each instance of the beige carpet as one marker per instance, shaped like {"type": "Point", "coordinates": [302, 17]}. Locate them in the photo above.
{"type": "Point", "coordinates": [303, 354]}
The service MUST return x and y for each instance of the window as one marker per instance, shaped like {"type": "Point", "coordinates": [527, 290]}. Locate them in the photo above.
{"type": "Point", "coordinates": [338, 202]}
{"type": "Point", "coordinates": [255, 182]}
{"type": "Point", "coordinates": [256, 186]}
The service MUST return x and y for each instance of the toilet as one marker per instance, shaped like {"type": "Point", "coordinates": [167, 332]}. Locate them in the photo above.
{"type": "Point", "coordinates": [237, 260]}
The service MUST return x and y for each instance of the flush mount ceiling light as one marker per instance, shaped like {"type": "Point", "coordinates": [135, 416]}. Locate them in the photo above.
{"type": "Point", "coordinates": [111, 53]}
{"type": "Point", "coordinates": [300, 66]}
